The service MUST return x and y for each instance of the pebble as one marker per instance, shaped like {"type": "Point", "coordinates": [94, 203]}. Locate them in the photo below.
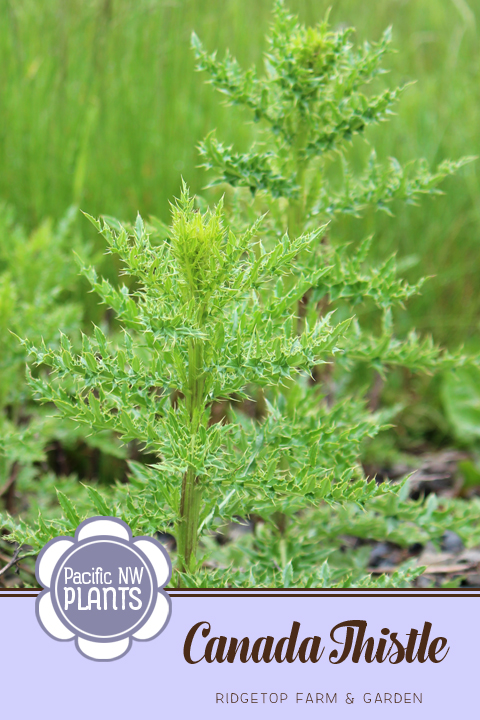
{"type": "Point", "coordinates": [451, 542]}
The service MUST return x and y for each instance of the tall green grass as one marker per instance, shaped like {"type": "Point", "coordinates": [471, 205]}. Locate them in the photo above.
{"type": "Point", "coordinates": [100, 106]}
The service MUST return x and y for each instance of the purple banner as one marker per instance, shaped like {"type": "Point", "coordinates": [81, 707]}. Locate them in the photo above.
{"type": "Point", "coordinates": [426, 665]}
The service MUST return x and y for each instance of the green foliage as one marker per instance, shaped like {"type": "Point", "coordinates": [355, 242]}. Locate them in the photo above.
{"type": "Point", "coordinates": [315, 552]}
{"type": "Point", "coordinates": [38, 295]}
{"type": "Point", "coordinates": [461, 399]}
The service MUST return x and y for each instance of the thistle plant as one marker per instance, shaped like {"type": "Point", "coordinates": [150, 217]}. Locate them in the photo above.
{"type": "Point", "coordinates": [251, 305]}
{"type": "Point", "coordinates": [202, 326]}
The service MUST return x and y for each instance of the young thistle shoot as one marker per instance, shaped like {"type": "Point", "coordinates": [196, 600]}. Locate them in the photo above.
{"type": "Point", "coordinates": [202, 326]}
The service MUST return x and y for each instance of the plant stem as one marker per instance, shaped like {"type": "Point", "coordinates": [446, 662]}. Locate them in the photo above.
{"type": "Point", "coordinates": [296, 208]}
{"type": "Point", "coordinates": [187, 525]}
{"type": "Point", "coordinates": [296, 224]}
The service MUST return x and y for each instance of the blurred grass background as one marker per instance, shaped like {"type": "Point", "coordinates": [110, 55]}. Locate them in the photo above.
{"type": "Point", "coordinates": [100, 107]}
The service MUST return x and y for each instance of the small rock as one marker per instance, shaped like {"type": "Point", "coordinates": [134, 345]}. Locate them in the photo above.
{"type": "Point", "coordinates": [423, 581]}
{"type": "Point", "coordinates": [451, 542]}
{"type": "Point", "coordinates": [237, 529]}
{"type": "Point", "coordinates": [415, 549]}
{"type": "Point", "coordinates": [470, 555]}
{"type": "Point", "coordinates": [473, 580]}
{"type": "Point", "coordinates": [167, 540]}
{"type": "Point", "coordinates": [380, 555]}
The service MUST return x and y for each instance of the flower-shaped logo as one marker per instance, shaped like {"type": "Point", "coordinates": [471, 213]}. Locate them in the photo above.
{"type": "Point", "coordinates": [103, 588]}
